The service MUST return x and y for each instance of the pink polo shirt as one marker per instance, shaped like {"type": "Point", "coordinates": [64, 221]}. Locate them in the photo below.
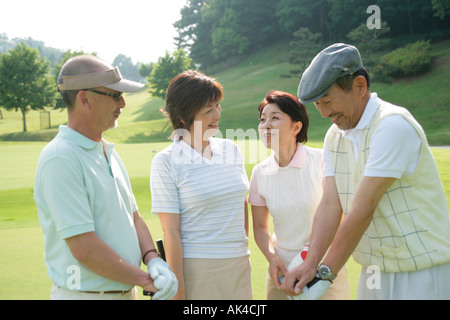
{"type": "Point", "coordinates": [291, 194]}
{"type": "Point", "coordinates": [298, 161]}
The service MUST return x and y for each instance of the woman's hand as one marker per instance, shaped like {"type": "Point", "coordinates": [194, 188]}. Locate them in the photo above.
{"type": "Point", "coordinates": [277, 269]}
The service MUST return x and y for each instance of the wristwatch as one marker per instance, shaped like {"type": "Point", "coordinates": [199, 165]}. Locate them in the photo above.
{"type": "Point", "coordinates": [325, 273]}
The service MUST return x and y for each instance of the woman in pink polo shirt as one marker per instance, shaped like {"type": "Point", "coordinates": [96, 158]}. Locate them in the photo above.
{"type": "Point", "coordinates": [287, 186]}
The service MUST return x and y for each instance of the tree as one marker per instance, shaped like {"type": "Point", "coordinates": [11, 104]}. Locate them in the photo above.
{"type": "Point", "coordinates": [226, 39]}
{"type": "Point", "coordinates": [255, 21]}
{"type": "Point", "coordinates": [369, 41]}
{"type": "Point", "coordinates": [127, 68]}
{"type": "Point", "coordinates": [302, 50]}
{"type": "Point", "coordinates": [442, 8]}
{"type": "Point", "coordinates": [194, 33]}
{"type": "Point", "coordinates": [188, 25]}
{"type": "Point", "coordinates": [25, 82]}
{"type": "Point", "coordinates": [294, 14]}
{"type": "Point", "coordinates": [214, 30]}
{"type": "Point", "coordinates": [346, 15]}
{"type": "Point", "coordinates": [145, 70]}
{"type": "Point", "coordinates": [166, 69]}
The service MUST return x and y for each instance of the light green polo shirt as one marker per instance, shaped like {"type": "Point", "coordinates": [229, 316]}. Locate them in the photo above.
{"type": "Point", "coordinates": [78, 191]}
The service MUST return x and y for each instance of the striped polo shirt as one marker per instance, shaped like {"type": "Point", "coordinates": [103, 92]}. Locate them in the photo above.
{"type": "Point", "coordinates": [208, 195]}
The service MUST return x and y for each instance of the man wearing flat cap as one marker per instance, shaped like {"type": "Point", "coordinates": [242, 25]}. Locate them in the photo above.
{"type": "Point", "coordinates": [381, 175]}
{"type": "Point", "coordinates": [94, 236]}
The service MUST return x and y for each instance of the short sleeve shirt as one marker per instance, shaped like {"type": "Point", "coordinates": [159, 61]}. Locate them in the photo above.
{"type": "Point", "coordinates": [291, 194]}
{"type": "Point", "coordinates": [209, 196]}
{"type": "Point", "coordinates": [394, 145]}
{"type": "Point", "coordinates": [77, 190]}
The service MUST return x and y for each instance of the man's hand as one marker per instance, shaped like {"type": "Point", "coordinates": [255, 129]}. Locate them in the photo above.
{"type": "Point", "coordinates": [312, 290]}
{"type": "Point", "coordinates": [149, 285]}
{"type": "Point", "coordinates": [163, 278]}
{"type": "Point", "coordinates": [298, 275]}
{"type": "Point", "coordinates": [296, 279]}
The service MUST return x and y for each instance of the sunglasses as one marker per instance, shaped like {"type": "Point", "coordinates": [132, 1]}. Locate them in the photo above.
{"type": "Point", "coordinates": [115, 96]}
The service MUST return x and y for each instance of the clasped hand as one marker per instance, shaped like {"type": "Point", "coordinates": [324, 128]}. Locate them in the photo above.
{"type": "Point", "coordinates": [163, 279]}
{"type": "Point", "coordinates": [297, 281]}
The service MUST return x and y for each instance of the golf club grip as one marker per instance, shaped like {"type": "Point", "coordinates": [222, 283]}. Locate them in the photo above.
{"type": "Point", "coordinates": [313, 282]}
{"type": "Point", "coordinates": [162, 254]}
{"type": "Point", "coordinates": [160, 247]}
{"type": "Point", "coordinates": [309, 284]}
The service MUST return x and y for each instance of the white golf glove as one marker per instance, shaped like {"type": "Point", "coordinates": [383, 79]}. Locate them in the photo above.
{"type": "Point", "coordinates": [299, 258]}
{"type": "Point", "coordinates": [314, 292]}
{"type": "Point", "coordinates": [163, 278]}
{"type": "Point", "coordinates": [317, 287]}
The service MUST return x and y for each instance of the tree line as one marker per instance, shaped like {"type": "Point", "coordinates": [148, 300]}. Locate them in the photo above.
{"type": "Point", "coordinates": [28, 75]}
{"type": "Point", "coordinates": [214, 30]}
{"type": "Point", "coordinates": [29, 71]}
{"type": "Point", "coordinates": [129, 69]}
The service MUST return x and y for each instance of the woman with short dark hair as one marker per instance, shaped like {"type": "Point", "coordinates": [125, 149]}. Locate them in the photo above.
{"type": "Point", "coordinates": [287, 186]}
{"type": "Point", "coordinates": [199, 187]}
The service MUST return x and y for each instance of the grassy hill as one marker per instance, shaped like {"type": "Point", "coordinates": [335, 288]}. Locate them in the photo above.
{"type": "Point", "coordinates": [142, 132]}
{"type": "Point", "coordinates": [245, 84]}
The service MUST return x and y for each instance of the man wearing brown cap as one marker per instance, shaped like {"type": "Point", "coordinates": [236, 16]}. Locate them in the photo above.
{"type": "Point", "coordinates": [94, 236]}
{"type": "Point", "coordinates": [381, 175]}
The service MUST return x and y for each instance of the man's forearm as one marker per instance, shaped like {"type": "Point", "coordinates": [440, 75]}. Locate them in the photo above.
{"type": "Point", "coordinates": [144, 237]}
{"type": "Point", "coordinates": [101, 259]}
{"type": "Point", "coordinates": [326, 223]}
{"type": "Point", "coordinates": [347, 238]}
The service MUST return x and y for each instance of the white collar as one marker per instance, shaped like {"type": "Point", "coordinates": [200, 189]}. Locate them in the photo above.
{"type": "Point", "coordinates": [194, 155]}
{"type": "Point", "coordinates": [369, 111]}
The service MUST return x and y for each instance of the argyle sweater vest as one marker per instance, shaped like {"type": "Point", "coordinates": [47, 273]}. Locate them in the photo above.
{"type": "Point", "coordinates": [410, 228]}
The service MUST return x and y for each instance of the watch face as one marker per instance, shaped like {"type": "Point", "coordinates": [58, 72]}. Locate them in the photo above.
{"type": "Point", "coordinates": [324, 271]}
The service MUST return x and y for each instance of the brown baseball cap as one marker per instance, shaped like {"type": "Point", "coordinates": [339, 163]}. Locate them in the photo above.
{"type": "Point", "coordinates": [111, 79]}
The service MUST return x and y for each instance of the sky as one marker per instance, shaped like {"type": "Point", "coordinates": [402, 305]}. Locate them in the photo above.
{"type": "Point", "coordinates": [140, 29]}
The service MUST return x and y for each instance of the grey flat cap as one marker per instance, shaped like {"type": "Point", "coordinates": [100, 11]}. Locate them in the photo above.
{"type": "Point", "coordinates": [336, 61]}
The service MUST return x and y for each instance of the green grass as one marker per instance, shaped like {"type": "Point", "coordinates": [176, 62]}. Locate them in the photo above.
{"type": "Point", "coordinates": [442, 158]}
{"type": "Point", "coordinates": [427, 97]}
{"type": "Point", "coordinates": [19, 160]}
